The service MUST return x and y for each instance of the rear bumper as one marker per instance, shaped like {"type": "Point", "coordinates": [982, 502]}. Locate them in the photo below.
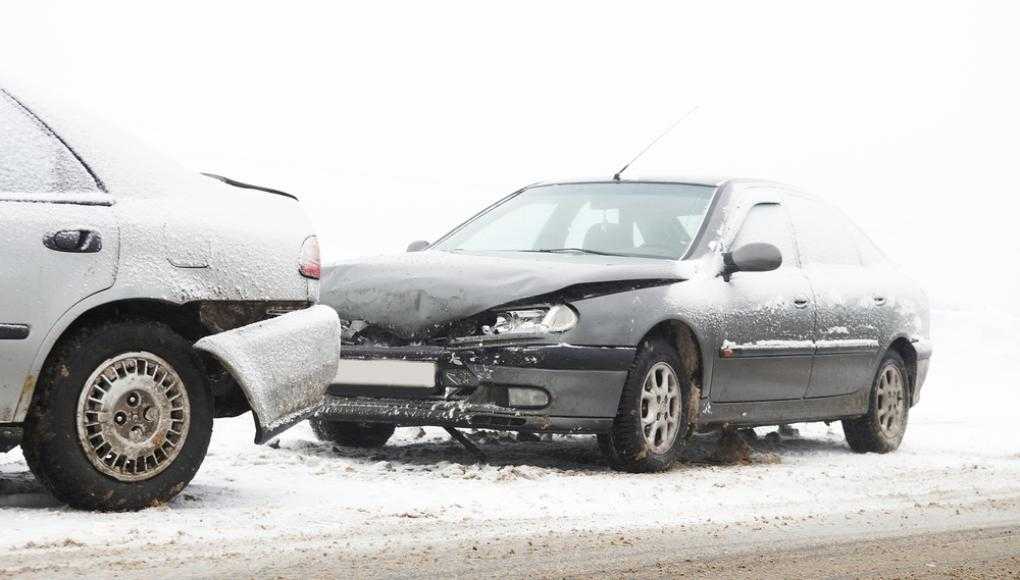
{"type": "Point", "coordinates": [473, 386]}
{"type": "Point", "coordinates": [283, 386]}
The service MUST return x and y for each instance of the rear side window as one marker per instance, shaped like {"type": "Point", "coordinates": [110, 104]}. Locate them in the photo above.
{"type": "Point", "coordinates": [824, 236]}
{"type": "Point", "coordinates": [870, 254]}
{"type": "Point", "coordinates": [768, 223]}
{"type": "Point", "coordinates": [32, 159]}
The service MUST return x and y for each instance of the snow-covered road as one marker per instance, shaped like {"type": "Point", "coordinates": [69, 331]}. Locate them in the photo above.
{"type": "Point", "coordinates": [422, 498]}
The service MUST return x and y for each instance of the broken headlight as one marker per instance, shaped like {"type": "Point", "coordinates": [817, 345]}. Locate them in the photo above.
{"type": "Point", "coordinates": [558, 318]}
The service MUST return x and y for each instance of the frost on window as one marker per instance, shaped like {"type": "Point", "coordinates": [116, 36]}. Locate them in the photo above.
{"type": "Point", "coordinates": [870, 254]}
{"type": "Point", "coordinates": [32, 159]}
{"type": "Point", "coordinates": [823, 235]}
{"type": "Point", "coordinates": [767, 223]}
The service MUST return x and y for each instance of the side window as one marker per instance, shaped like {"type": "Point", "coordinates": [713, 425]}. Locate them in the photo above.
{"type": "Point", "coordinates": [870, 254]}
{"type": "Point", "coordinates": [823, 234]}
{"type": "Point", "coordinates": [768, 223]}
{"type": "Point", "coordinates": [32, 159]}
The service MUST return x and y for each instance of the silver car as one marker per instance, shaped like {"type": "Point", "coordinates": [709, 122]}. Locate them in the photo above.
{"type": "Point", "coordinates": [114, 263]}
{"type": "Point", "coordinates": [638, 310]}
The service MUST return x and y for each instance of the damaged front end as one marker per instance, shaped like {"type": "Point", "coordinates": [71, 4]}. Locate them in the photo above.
{"type": "Point", "coordinates": [506, 368]}
{"type": "Point", "coordinates": [282, 365]}
{"type": "Point", "coordinates": [481, 340]}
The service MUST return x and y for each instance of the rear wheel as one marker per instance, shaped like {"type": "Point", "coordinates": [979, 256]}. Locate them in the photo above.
{"type": "Point", "coordinates": [652, 422]}
{"type": "Point", "coordinates": [352, 434]}
{"type": "Point", "coordinates": [882, 429]}
{"type": "Point", "coordinates": [121, 417]}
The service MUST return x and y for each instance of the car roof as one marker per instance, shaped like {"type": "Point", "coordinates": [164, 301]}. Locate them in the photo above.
{"type": "Point", "coordinates": [690, 180]}
{"type": "Point", "coordinates": [713, 181]}
{"type": "Point", "coordinates": [726, 185]}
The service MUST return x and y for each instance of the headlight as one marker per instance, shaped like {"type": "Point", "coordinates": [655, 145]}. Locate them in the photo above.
{"type": "Point", "coordinates": [559, 318]}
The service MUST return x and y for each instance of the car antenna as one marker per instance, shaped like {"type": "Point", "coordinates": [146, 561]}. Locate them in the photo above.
{"type": "Point", "coordinates": [686, 116]}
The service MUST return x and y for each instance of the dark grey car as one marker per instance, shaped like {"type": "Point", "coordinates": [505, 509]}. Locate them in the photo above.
{"type": "Point", "coordinates": [636, 310]}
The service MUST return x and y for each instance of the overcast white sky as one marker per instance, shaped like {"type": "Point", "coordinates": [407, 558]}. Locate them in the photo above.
{"type": "Point", "coordinates": [394, 121]}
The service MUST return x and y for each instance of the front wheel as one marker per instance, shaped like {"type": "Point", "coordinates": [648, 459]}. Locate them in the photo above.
{"type": "Point", "coordinates": [121, 417]}
{"type": "Point", "coordinates": [652, 422]}
{"type": "Point", "coordinates": [882, 429]}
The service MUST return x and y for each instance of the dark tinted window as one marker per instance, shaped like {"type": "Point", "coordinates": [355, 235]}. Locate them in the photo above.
{"type": "Point", "coordinates": [32, 159]}
{"type": "Point", "coordinates": [768, 223]}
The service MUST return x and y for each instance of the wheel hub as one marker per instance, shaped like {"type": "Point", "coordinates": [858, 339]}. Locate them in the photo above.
{"type": "Point", "coordinates": [133, 416]}
{"type": "Point", "coordinates": [892, 401]}
{"type": "Point", "coordinates": [660, 407]}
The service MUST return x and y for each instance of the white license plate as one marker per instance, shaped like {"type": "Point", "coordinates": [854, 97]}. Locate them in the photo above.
{"type": "Point", "coordinates": [388, 373]}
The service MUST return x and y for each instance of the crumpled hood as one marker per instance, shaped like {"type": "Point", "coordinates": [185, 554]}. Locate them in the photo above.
{"type": "Point", "coordinates": [416, 294]}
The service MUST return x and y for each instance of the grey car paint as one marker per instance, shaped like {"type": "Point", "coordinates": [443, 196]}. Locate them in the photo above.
{"type": "Point", "coordinates": [416, 295]}
{"type": "Point", "coordinates": [801, 342]}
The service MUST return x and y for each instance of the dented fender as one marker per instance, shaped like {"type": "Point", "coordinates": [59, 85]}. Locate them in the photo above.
{"type": "Point", "coordinates": [282, 365]}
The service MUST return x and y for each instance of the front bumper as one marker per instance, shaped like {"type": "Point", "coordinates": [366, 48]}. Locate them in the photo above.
{"type": "Point", "coordinates": [474, 381]}
{"type": "Point", "coordinates": [923, 348]}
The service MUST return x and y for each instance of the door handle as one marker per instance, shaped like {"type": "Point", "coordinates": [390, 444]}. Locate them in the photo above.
{"type": "Point", "coordinates": [800, 302]}
{"type": "Point", "coordinates": [76, 241]}
{"type": "Point", "coordinates": [879, 300]}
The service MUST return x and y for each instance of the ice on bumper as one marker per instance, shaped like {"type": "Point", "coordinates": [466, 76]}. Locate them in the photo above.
{"type": "Point", "coordinates": [283, 364]}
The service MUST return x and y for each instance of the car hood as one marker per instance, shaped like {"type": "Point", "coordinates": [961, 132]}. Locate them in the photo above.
{"type": "Point", "coordinates": [415, 295]}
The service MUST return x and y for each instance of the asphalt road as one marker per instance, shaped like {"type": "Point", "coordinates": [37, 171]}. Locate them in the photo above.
{"type": "Point", "coordinates": [974, 539]}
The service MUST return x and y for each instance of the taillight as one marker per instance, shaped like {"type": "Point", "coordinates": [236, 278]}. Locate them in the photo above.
{"type": "Point", "coordinates": [310, 265]}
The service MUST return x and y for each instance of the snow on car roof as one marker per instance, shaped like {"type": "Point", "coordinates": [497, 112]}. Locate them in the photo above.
{"type": "Point", "coordinates": [689, 180]}
{"type": "Point", "coordinates": [123, 164]}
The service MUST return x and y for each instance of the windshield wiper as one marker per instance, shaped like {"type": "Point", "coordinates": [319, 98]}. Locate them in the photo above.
{"type": "Point", "coordinates": [570, 251]}
{"type": "Point", "coordinates": [595, 252]}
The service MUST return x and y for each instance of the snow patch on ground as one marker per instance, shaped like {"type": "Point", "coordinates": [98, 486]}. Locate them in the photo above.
{"type": "Point", "coordinates": [961, 447]}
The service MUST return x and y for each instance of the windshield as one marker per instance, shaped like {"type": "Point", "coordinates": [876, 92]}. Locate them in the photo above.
{"type": "Point", "coordinates": [648, 220]}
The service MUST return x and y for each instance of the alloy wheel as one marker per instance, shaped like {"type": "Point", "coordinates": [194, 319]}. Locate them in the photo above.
{"type": "Point", "coordinates": [660, 407]}
{"type": "Point", "coordinates": [891, 405]}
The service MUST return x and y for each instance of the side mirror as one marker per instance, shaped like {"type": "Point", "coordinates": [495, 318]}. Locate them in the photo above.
{"type": "Point", "coordinates": [417, 246]}
{"type": "Point", "coordinates": [754, 257]}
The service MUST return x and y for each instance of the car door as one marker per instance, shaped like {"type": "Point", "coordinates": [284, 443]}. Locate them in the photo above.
{"type": "Point", "coordinates": [768, 319]}
{"type": "Point", "coordinates": [847, 299]}
{"type": "Point", "coordinates": [60, 242]}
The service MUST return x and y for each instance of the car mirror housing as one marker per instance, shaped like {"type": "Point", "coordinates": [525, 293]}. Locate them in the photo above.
{"type": "Point", "coordinates": [753, 257]}
{"type": "Point", "coordinates": [418, 245]}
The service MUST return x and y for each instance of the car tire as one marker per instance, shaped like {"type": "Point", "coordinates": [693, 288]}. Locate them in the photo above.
{"type": "Point", "coordinates": [366, 435]}
{"type": "Point", "coordinates": [653, 421]}
{"type": "Point", "coordinates": [882, 429]}
{"type": "Point", "coordinates": [121, 417]}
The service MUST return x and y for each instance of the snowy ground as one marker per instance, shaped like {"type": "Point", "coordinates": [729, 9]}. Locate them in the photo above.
{"type": "Point", "coordinates": [396, 510]}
